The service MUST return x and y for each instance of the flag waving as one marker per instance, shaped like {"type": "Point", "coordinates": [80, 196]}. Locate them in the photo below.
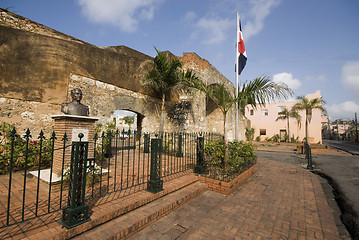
{"type": "Point", "coordinates": [241, 50]}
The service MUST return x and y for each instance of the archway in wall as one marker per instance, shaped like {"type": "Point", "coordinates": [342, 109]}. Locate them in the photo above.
{"type": "Point", "coordinates": [122, 117]}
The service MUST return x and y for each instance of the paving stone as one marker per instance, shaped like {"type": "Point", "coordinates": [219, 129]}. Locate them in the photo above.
{"type": "Point", "coordinates": [280, 201]}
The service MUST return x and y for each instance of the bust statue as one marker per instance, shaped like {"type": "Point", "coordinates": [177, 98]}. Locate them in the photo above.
{"type": "Point", "coordinates": [75, 107]}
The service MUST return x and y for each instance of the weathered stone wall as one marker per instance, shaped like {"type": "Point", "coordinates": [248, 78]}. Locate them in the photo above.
{"type": "Point", "coordinates": [12, 20]}
{"type": "Point", "coordinates": [212, 115]}
{"type": "Point", "coordinates": [103, 99]}
{"type": "Point", "coordinates": [39, 67]}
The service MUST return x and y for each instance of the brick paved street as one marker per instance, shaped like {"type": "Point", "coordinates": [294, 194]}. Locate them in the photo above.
{"type": "Point", "coordinates": [280, 201]}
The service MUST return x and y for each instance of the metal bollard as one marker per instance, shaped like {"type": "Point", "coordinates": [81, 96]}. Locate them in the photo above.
{"type": "Point", "coordinates": [155, 184]}
{"type": "Point", "coordinates": [199, 168]}
{"type": "Point", "coordinates": [76, 211]}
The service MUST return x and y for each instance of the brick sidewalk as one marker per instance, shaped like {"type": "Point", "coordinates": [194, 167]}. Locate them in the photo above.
{"type": "Point", "coordinates": [280, 201]}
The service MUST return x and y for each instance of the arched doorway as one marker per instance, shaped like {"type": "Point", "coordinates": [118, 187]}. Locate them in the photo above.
{"type": "Point", "coordinates": [126, 119]}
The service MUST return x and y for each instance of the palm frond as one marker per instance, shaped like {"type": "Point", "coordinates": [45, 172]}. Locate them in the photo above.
{"type": "Point", "coordinates": [164, 75]}
{"type": "Point", "coordinates": [221, 97]}
{"type": "Point", "coordinates": [308, 105]}
{"type": "Point", "coordinates": [260, 91]}
{"type": "Point", "coordinates": [296, 115]}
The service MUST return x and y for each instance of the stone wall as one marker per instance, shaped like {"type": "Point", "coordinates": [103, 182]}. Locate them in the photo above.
{"type": "Point", "coordinates": [103, 99]}
{"type": "Point", "coordinates": [12, 20]}
{"type": "Point", "coordinates": [212, 115]}
{"type": "Point", "coordinates": [40, 66]}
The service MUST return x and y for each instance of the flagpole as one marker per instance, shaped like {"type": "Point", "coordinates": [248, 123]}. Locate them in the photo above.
{"type": "Point", "coordinates": [236, 72]}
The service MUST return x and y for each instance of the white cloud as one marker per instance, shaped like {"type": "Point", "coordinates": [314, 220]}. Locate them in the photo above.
{"type": "Point", "coordinates": [345, 110]}
{"type": "Point", "coordinates": [350, 77]}
{"type": "Point", "coordinates": [122, 13]}
{"type": "Point", "coordinates": [190, 16]}
{"type": "Point", "coordinates": [287, 78]}
{"type": "Point", "coordinates": [259, 11]}
{"type": "Point", "coordinates": [213, 30]}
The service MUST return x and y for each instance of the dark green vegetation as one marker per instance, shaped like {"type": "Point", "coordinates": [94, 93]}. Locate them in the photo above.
{"type": "Point", "coordinates": [26, 151]}
{"type": "Point", "coordinates": [226, 160]}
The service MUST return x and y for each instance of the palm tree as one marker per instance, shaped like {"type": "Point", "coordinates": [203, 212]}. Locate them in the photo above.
{"type": "Point", "coordinates": [308, 106]}
{"type": "Point", "coordinates": [223, 99]}
{"type": "Point", "coordinates": [129, 120]}
{"type": "Point", "coordinates": [257, 92]}
{"type": "Point", "coordinates": [167, 76]}
{"type": "Point", "coordinates": [260, 91]}
{"type": "Point", "coordinates": [285, 114]}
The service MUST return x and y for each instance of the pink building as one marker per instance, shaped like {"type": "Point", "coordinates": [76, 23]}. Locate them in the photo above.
{"type": "Point", "coordinates": [263, 120]}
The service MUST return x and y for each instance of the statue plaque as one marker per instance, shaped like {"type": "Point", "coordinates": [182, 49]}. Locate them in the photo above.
{"type": "Point", "coordinates": [76, 132]}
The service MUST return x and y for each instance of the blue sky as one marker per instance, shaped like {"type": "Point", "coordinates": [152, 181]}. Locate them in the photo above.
{"type": "Point", "coordinates": [309, 44]}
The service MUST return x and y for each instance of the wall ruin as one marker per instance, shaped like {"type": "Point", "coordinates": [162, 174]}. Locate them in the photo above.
{"type": "Point", "coordinates": [39, 66]}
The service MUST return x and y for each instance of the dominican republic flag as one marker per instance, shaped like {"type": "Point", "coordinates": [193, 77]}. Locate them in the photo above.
{"type": "Point", "coordinates": [241, 50]}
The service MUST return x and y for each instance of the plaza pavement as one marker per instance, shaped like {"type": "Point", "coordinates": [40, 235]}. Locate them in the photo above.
{"type": "Point", "coordinates": [280, 201]}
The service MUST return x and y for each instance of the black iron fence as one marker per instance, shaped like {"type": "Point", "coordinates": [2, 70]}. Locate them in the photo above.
{"type": "Point", "coordinates": [40, 175]}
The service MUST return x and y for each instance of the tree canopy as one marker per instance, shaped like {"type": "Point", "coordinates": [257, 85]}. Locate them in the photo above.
{"type": "Point", "coordinates": [168, 76]}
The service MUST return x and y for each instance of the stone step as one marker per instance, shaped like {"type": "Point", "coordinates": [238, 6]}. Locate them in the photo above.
{"type": "Point", "coordinates": [118, 204]}
{"type": "Point", "coordinates": [133, 221]}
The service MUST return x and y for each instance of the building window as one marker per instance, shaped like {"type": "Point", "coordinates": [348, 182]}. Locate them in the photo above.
{"type": "Point", "coordinates": [251, 112]}
{"type": "Point", "coordinates": [264, 112]}
{"type": "Point", "coordinates": [262, 132]}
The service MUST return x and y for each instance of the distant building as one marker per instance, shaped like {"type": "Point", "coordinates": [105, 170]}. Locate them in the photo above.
{"type": "Point", "coordinates": [352, 133]}
{"type": "Point", "coordinates": [122, 125]}
{"type": "Point", "coordinates": [339, 130]}
{"type": "Point", "coordinates": [263, 120]}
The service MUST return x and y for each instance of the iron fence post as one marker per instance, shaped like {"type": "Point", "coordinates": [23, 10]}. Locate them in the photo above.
{"type": "Point", "coordinates": [155, 184]}
{"type": "Point", "coordinates": [12, 137]}
{"type": "Point", "coordinates": [146, 143]}
{"type": "Point", "coordinates": [76, 211]}
{"type": "Point", "coordinates": [179, 152]}
{"type": "Point", "coordinates": [199, 168]}
{"type": "Point", "coordinates": [109, 135]}
{"type": "Point", "coordinates": [27, 137]}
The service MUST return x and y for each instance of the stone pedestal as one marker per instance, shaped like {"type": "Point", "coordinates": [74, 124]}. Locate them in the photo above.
{"type": "Point", "coordinates": [71, 125]}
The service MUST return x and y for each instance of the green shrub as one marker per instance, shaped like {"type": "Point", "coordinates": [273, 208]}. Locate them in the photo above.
{"type": "Point", "coordinates": [19, 153]}
{"type": "Point", "coordinates": [276, 137]}
{"type": "Point", "coordinates": [258, 138]}
{"type": "Point", "coordinates": [227, 160]}
{"type": "Point", "coordinates": [104, 140]}
{"type": "Point", "coordinates": [249, 134]}
{"type": "Point", "coordinates": [286, 137]}
{"type": "Point", "coordinates": [215, 152]}
{"type": "Point", "coordinates": [240, 156]}
{"type": "Point", "coordinates": [292, 139]}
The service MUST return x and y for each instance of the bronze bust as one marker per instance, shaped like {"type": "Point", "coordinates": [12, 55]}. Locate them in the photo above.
{"type": "Point", "coordinates": [75, 107]}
